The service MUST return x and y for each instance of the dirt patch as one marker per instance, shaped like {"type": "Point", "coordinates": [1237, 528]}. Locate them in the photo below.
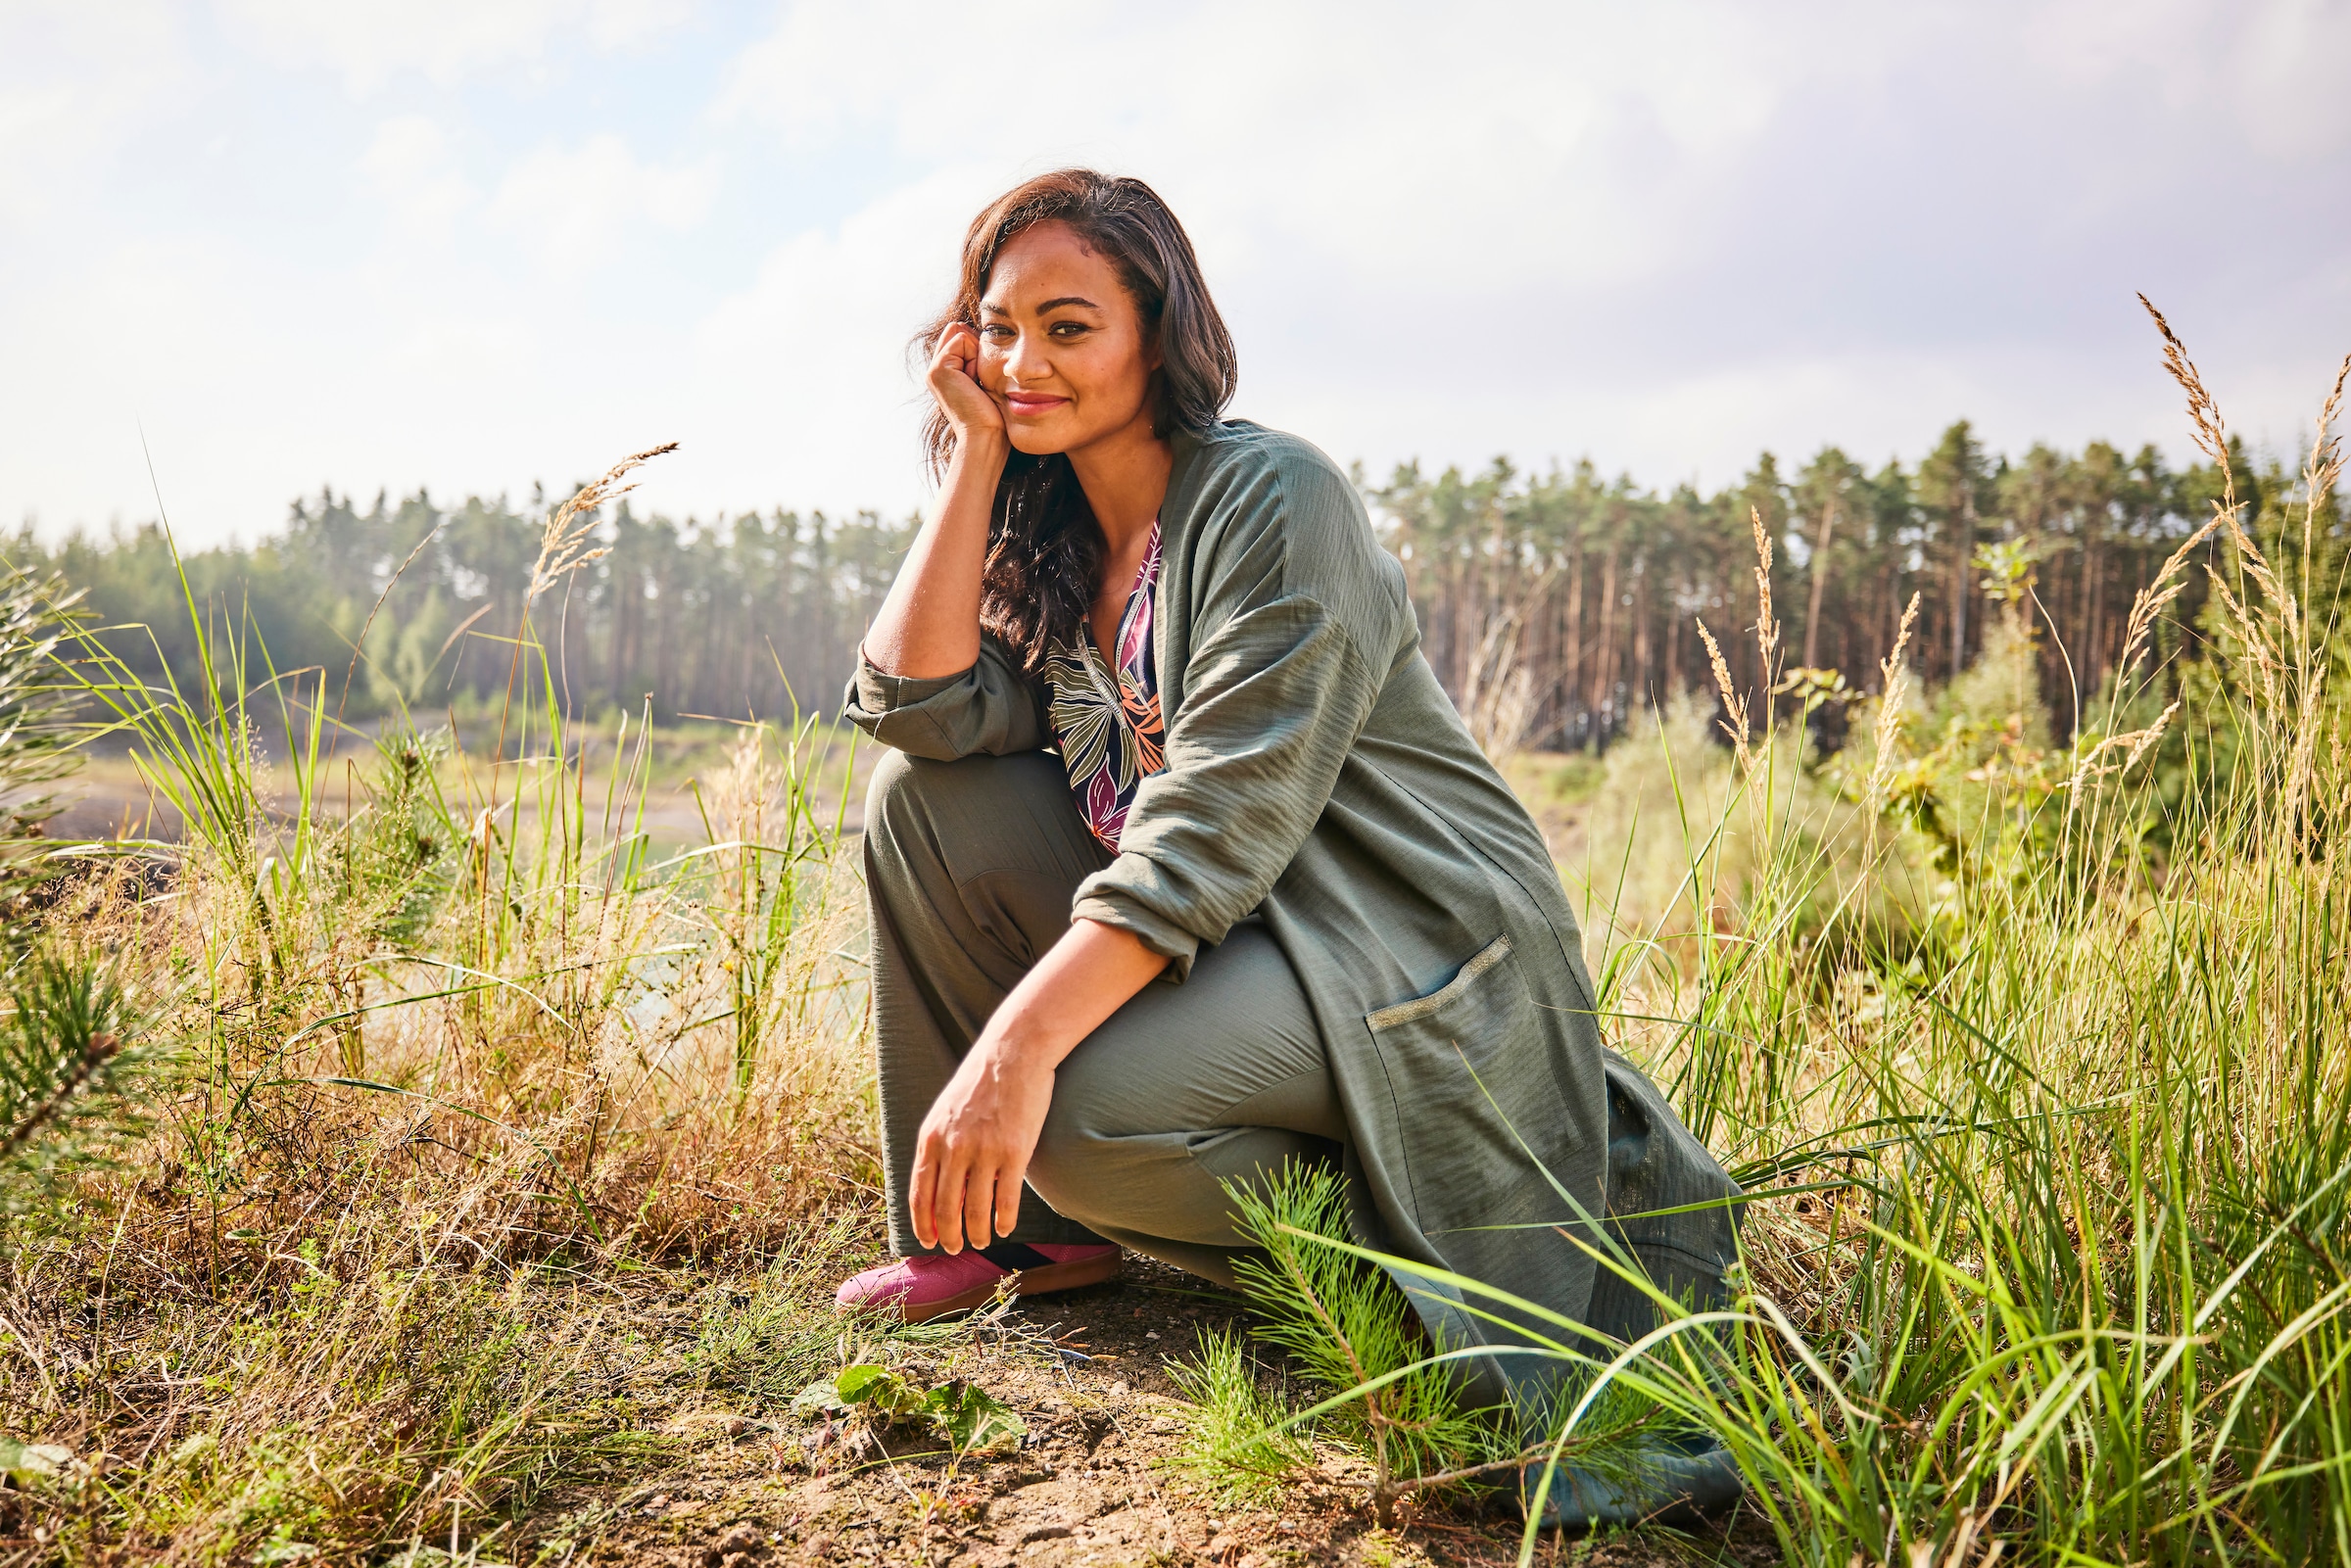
{"type": "Point", "coordinates": [748, 1484]}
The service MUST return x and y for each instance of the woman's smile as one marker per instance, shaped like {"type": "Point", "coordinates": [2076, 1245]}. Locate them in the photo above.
{"type": "Point", "coordinates": [1030, 404]}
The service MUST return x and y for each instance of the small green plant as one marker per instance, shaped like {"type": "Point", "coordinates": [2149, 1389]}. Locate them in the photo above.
{"type": "Point", "coordinates": [1354, 1334]}
{"type": "Point", "coordinates": [968, 1417]}
{"type": "Point", "coordinates": [1400, 1400]}
{"type": "Point", "coordinates": [36, 743]}
{"type": "Point", "coordinates": [398, 852]}
{"type": "Point", "coordinates": [768, 1342]}
{"type": "Point", "coordinates": [1242, 1441]}
{"type": "Point", "coordinates": [66, 1065]}
{"type": "Point", "coordinates": [29, 1465]}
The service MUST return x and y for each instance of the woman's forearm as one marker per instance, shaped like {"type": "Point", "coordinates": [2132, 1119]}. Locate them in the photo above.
{"type": "Point", "coordinates": [973, 1151]}
{"type": "Point", "coordinates": [928, 625]}
{"type": "Point", "coordinates": [1080, 981]}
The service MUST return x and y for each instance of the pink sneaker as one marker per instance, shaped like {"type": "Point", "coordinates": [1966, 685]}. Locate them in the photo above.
{"type": "Point", "coordinates": [924, 1288]}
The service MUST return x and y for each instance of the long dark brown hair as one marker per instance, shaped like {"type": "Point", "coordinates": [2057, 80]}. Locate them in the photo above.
{"type": "Point", "coordinates": [1045, 548]}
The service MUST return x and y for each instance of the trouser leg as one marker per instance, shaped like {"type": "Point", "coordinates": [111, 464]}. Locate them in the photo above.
{"type": "Point", "coordinates": [1223, 1077]}
{"type": "Point", "coordinates": [970, 869]}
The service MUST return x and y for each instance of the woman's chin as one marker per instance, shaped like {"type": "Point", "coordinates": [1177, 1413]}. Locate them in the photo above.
{"type": "Point", "coordinates": [1035, 441]}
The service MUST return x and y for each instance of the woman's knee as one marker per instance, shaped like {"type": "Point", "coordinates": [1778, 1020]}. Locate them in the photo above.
{"type": "Point", "coordinates": [907, 807]}
{"type": "Point", "coordinates": [892, 796]}
{"type": "Point", "coordinates": [1178, 1186]}
{"type": "Point", "coordinates": [917, 797]}
{"type": "Point", "coordinates": [1058, 1168]}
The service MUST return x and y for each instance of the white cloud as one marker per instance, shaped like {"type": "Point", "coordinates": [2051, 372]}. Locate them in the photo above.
{"type": "Point", "coordinates": [368, 41]}
{"type": "Point", "coordinates": [76, 84]}
{"type": "Point", "coordinates": [570, 205]}
{"type": "Point", "coordinates": [411, 165]}
{"type": "Point", "coordinates": [477, 244]}
{"type": "Point", "coordinates": [1408, 138]}
{"type": "Point", "coordinates": [818, 345]}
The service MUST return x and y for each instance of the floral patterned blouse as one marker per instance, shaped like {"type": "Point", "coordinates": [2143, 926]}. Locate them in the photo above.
{"type": "Point", "coordinates": [1106, 720]}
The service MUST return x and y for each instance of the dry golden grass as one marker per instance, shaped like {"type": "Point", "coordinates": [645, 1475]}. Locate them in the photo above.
{"type": "Point", "coordinates": [465, 1076]}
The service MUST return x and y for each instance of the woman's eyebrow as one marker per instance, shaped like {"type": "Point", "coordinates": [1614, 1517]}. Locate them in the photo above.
{"type": "Point", "coordinates": [991, 309]}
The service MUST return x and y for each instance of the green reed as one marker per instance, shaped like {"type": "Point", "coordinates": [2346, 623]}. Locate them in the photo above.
{"type": "Point", "coordinates": [2048, 1243]}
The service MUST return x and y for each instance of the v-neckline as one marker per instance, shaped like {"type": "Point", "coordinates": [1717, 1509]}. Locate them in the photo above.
{"type": "Point", "coordinates": [1126, 610]}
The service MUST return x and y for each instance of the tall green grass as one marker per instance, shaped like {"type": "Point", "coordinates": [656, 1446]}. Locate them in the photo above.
{"type": "Point", "coordinates": [2047, 1256]}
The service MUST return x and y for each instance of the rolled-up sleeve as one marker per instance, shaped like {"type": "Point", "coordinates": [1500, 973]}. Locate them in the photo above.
{"type": "Point", "coordinates": [993, 707]}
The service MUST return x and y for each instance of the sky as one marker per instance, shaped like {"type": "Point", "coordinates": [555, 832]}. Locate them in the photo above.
{"type": "Point", "coordinates": [250, 247]}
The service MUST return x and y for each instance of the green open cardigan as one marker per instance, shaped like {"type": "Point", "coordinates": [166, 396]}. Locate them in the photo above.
{"type": "Point", "coordinates": [1317, 776]}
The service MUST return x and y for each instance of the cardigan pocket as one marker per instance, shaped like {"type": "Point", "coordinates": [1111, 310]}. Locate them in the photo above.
{"type": "Point", "coordinates": [1452, 1057]}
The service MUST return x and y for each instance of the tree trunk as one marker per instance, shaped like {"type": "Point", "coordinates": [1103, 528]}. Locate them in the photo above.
{"type": "Point", "coordinates": [1820, 581]}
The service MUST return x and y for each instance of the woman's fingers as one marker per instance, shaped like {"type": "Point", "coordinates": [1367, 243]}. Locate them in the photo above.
{"type": "Point", "coordinates": [947, 1216]}
{"type": "Point", "coordinates": [959, 1201]}
{"type": "Point", "coordinates": [974, 1151]}
{"type": "Point", "coordinates": [980, 1201]}
{"type": "Point", "coordinates": [954, 379]}
{"type": "Point", "coordinates": [922, 1193]}
{"type": "Point", "coordinates": [1008, 1195]}
{"type": "Point", "coordinates": [958, 351]}
{"type": "Point", "coordinates": [947, 1202]}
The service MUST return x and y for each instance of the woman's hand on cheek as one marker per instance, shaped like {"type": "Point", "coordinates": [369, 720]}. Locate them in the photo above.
{"type": "Point", "coordinates": [972, 1152]}
{"type": "Point", "coordinates": [954, 379]}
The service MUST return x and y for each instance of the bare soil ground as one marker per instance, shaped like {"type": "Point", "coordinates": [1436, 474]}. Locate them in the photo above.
{"type": "Point", "coordinates": [744, 1484]}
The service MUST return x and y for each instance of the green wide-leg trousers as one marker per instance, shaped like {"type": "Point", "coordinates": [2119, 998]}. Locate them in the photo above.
{"type": "Point", "coordinates": [971, 867]}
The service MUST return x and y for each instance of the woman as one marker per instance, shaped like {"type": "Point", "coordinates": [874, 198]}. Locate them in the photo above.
{"type": "Point", "coordinates": [1269, 902]}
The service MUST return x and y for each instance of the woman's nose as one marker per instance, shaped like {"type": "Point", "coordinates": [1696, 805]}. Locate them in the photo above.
{"type": "Point", "coordinates": [1028, 360]}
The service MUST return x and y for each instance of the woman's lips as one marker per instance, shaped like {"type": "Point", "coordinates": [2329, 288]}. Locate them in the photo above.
{"type": "Point", "coordinates": [1032, 403]}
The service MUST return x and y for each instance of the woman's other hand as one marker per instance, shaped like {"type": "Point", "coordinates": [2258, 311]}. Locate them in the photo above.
{"type": "Point", "coordinates": [974, 1149]}
{"type": "Point", "coordinates": [954, 378]}
{"type": "Point", "coordinates": [972, 1152]}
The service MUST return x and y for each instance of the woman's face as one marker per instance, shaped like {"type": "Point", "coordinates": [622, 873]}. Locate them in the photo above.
{"type": "Point", "coordinates": [1061, 344]}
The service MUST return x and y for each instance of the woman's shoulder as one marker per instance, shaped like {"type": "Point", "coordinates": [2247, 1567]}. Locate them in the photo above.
{"type": "Point", "coordinates": [1239, 448]}
{"type": "Point", "coordinates": [1247, 472]}
{"type": "Point", "coordinates": [1274, 508]}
